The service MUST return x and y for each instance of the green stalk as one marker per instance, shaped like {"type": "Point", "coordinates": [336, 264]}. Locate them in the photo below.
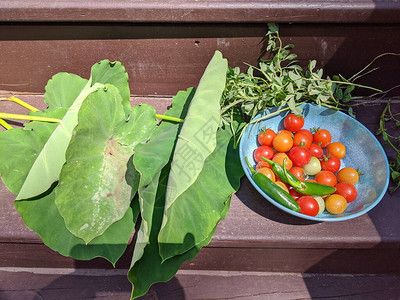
{"type": "Point", "coordinates": [168, 118]}
{"type": "Point", "coordinates": [344, 83]}
{"type": "Point", "coordinates": [5, 124]}
{"type": "Point", "coordinates": [20, 102]}
{"type": "Point", "coordinates": [27, 117]}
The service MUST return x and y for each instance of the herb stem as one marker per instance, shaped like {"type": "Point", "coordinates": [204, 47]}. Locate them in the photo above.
{"type": "Point", "coordinates": [343, 82]}
{"type": "Point", "coordinates": [169, 118]}
{"type": "Point", "coordinates": [358, 74]}
{"type": "Point", "coordinates": [20, 102]}
{"type": "Point", "coordinates": [231, 105]}
{"type": "Point", "coordinates": [383, 129]}
{"type": "Point", "coordinates": [28, 118]}
{"type": "Point", "coordinates": [263, 118]}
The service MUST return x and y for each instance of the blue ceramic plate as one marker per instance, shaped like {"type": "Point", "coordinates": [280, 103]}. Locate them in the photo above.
{"type": "Point", "coordinates": [363, 151]}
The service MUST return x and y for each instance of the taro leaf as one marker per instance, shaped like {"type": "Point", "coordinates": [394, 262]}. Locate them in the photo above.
{"type": "Point", "coordinates": [47, 166]}
{"type": "Point", "coordinates": [151, 268]}
{"type": "Point", "coordinates": [43, 217]}
{"type": "Point", "coordinates": [197, 138]}
{"type": "Point", "coordinates": [196, 212]}
{"type": "Point", "coordinates": [98, 180]}
{"type": "Point", "coordinates": [149, 159]}
{"type": "Point", "coordinates": [113, 73]}
{"type": "Point", "coordinates": [19, 149]}
{"type": "Point", "coordinates": [62, 90]}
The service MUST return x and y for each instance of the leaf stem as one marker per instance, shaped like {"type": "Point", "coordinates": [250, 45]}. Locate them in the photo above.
{"type": "Point", "coordinates": [5, 124]}
{"type": "Point", "coordinates": [27, 117]}
{"type": "Point", "coordinates": [20, 102]}
{"type": "Point", "coordinates": [168, 118]}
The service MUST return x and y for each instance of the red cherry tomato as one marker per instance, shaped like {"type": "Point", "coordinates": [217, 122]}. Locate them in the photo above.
{"type": "Point", "coordinates": [298, 172]}
{"type": "Point", "coordinates": [302, 140]}
{"type": "Point", "coordinates": [280, 157]}
{"type": "Point", "coordinates": [285, 131]}
{"type": "Point", "coordinates": [296, 195]}
{"type": "Point", "coordinates": [322, 137]}
{"type": "Point", "coordinates": [349, 175]}
{"type": "Point", "coordinates": [283, 142]}
{"type": "Point", "coordinates": [262, 164]}
{"type": "Point", "coordinates": [326, 177]}
{"type": "Point", "coordinates": [263, 151]}
{"type": "Point", "coordinates": [306, 132]}
{"type": "Point", "coordinates": [337, 149]}
{"type": "Point", "coordinates": [330, 163]}
{"type": "Point", "coordinates": [299, 156]}
{"type": "Point", "coordinates": [347, 190]}
{"type": "Point", "coordinates": [293, 123]}
{"type": "Point", "coordinates": [265, 137]}
{"type": "Point", "coordinates": [308, 205]}
{"type": "Point", "coordinates": [316, 150]}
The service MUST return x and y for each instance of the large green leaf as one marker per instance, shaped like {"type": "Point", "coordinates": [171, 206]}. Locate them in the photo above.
{"type": "Point", "coordinates": [19, 148]}
{"type": "Point", "coordinates": [47, 166]}
{"type": "Point", "coordinates": [62, 90]}
{"type": "Point", "coordinates": [149, 159]}
{"type": "Point", "coordinates": [43, 217]}
{"type": "Point", "coordinates": [113, 73]}
{"type": "Point", "coordinates": [195, 213]}
{"type": "Point", "coordinates": [151, 267]}
{"type": "Point", "coordinates": [98, 180]}
{"type": "Point", "coordinates": [197, 138]}
{"type": "Point", "coordinates": [221, 166]}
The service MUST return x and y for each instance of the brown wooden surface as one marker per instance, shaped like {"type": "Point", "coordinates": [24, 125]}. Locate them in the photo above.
{"type": "Point", "coordinates": [28, 284]}
{"type": "Point", "coordinates": [201, 11]}
{"type": "Point", "coordinates": [163, 58]}
{"type": "Point", "coordinates": [255, 236]}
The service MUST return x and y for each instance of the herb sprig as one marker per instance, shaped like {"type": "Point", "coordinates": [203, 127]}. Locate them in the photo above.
{"type": "Point", "coordinates": [392, 120]}
{"type": "Point", "coordinates": [281, 82]}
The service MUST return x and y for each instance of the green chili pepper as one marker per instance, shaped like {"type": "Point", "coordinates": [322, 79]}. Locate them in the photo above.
{"type": "Point", "coordinates": [272, 190]}
{"type": "Point", "coordinates": [302, 187]}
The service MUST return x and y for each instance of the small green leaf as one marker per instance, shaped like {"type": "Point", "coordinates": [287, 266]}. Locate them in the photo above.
{"type": "Point", "coordinates": [250, 71]}
{"type": "Point", "coordinates": [312, 65]}
{"type": "Point", "coordinates": [273, 27]}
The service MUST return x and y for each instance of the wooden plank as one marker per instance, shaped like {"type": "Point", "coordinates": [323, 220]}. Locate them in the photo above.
{"type": "Point", "coordinates": [98, 284]}
{"type": "Point", "coordinates": [380, 260]}
{"type": "Point", "coordinates": [164, 58]}
{"type": "Point", "coordinates": [203, 11]}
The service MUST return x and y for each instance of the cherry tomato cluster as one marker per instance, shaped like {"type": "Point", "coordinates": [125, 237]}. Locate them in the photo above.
{"type": "Point", "coordinates": [310, 156]}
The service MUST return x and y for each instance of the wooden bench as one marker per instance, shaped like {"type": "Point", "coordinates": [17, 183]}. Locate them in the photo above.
{"type": "Point", "coordinates": [258, 251]}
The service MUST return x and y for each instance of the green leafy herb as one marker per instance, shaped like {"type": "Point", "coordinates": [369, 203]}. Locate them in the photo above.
{"type": "Point", "coordinates": [280, 81]}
